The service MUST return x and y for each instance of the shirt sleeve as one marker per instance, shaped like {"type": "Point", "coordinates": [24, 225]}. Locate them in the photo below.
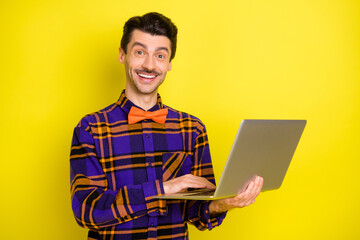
{"type": "Point", "coordinates": [95, 205]}
{"type": "Point", "coordinates": [198, 211]}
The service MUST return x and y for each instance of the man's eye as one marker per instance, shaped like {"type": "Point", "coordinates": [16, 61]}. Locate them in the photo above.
{"type": "Point", "coordinates": [161, 56]}
{"type": "Point", "coordinates": [139, 52]}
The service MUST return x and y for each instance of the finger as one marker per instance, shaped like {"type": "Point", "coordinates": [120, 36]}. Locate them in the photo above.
{"type": "Point", "coordinates": [181, 186]}
{"type": "Point", "coordinates": [250, 191]}
{"type": "Point", "coordinates": [191, 181]}
{"type": "Point", "coordinates": [258, 186]}
{"type": "Point", "coordinates": [241, 199]}
{"type": "Point", "coordinates": [249, 195]}
{"type": "Point", "coordinates": [205, 181]}
{"type": "Point", "coordinates": [195, 184]}
{"type": "Point", "coordinates": [200, 180]}
{"type": "Point", "coordinates": [244, 198]}
{"type": "Point", "coordinates": [255, 191]}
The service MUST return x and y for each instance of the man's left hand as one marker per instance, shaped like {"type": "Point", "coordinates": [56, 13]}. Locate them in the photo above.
{"type": "Point", "coordinates": [243, 199]}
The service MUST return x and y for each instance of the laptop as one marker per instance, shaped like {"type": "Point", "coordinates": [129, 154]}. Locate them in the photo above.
{"type": "Point", "coordinates": [261, 147]}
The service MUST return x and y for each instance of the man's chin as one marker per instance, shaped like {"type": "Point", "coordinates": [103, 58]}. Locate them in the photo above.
{"type": "Point", "coordinates": [147, 90]}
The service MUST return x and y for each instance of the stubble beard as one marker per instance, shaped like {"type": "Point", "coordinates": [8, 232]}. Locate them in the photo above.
{"type": "Point", "coordinates": [146, 89]}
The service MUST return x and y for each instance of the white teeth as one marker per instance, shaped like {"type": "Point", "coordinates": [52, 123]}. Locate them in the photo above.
{"type": "Point", "coordinates": [146, 76]}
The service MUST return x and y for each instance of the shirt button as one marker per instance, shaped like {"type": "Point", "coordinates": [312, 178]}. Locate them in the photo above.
{"type": "Point", "coordinates": [147, 136]}
{"type": "Point", "coordinates": [157, 211]}
{"type": "Point", "coordinates": [151, 224]}
{"type": "Point", "coordinates": [150, 164]}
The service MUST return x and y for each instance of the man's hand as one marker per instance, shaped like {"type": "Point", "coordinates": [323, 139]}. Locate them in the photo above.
{"type": "Point", "coordinates": [184, 182]}
{"type": "Point", "coordinates": [243, 199]}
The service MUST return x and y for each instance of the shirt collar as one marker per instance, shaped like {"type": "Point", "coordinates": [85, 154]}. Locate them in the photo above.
{"type": "Point", "coordinates": [125, 104]}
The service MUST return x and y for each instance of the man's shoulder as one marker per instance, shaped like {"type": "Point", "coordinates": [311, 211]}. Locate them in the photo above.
{"type": "Point", "coordinates": [95, 117]}
{"type": "Point", "coordinates": [184, 118]}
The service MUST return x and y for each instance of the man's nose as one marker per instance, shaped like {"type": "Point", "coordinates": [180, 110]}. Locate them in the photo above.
{"type": "Point", "coordinates": [149, 63]}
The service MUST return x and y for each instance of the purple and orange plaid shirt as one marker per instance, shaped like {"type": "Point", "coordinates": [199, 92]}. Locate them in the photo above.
{"type": "Point", "coordinates": [117, 167]}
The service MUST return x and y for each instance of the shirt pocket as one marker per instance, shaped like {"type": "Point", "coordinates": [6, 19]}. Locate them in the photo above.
{"type": "Point", "coordinates": [175, 164]}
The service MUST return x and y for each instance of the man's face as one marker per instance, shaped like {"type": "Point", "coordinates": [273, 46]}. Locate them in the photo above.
{"type": "Point", "coordinates": [146, 62]}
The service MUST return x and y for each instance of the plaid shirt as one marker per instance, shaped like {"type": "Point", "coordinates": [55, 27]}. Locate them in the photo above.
{"type": "Point", "coordinates": [117, 167]}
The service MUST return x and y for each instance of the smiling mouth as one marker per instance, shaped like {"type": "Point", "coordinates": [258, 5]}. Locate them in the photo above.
{"type": "Point", "coordinates": [146, 76]}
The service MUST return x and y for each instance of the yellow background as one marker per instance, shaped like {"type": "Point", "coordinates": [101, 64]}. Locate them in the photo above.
{"type": "Point", "coordinates": [236, 59]}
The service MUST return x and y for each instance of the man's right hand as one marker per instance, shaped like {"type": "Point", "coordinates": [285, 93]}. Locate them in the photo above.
{"type": "Point", "coordinates": [181, 184]}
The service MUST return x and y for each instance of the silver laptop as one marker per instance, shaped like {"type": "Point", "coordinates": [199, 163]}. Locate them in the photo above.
{"type": "Point", "coordinates": [261, 147]}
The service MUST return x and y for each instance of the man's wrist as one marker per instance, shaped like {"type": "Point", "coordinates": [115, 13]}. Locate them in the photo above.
{"type": "Point", "coordinates": [216, 207]}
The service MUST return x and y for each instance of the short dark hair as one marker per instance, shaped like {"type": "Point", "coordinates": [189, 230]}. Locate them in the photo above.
{"type": "Point", "coordinates": [153, 23]}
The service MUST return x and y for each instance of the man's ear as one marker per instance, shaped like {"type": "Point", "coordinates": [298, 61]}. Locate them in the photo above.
{"type": "Point", "coordinates": [170, 66]}
{"type": "Point", "coordinates": [121, 55]}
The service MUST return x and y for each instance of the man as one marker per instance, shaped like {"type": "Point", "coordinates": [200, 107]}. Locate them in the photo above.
{"type": "Point", "coordinates": [137, 148]}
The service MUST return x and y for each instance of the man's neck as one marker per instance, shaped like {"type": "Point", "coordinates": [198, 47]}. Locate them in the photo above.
{"type": "Point", "coordinates": [145, 101]}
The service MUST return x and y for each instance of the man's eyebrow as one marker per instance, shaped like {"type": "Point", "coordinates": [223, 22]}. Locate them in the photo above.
{"type": "Point", "coordinates": [162, 48]}
{"type": "Point", "coordinates": [139, 44]}
{"type": "Point", "coordinates": [144, 46]}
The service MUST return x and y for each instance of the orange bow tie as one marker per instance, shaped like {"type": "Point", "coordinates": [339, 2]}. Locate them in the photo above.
{"type": "Point", "coordinates": [136, 115]}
